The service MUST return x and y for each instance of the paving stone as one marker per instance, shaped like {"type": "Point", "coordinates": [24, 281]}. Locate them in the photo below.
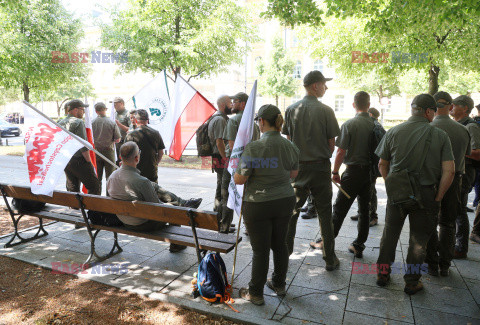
{"type": "Point", "coordinates": [175, 262]}
{"type": "Point", "coordinates": [310, 276]}
{"type": "Point", "coordinates": [474, 287]}
{"type": "Point", "coordinates": [145, 281]}
{"type": "Point", "coordinates": [306, 304]}
{"type": "Point", "coordinates": [454, 280]}
{"type": "Point", "coordinates": [293, 321]}
{"type": "Point", "coordinates": [315, 257]}
{"type": "Point", "coordinates": [145, 247]}
{"type": "Point", "coordinates": [244, 277]}
{"type": "Point", "coordinates": [78, 235]}
{"type": "Point", "coordinates": [380, 302]}
{"type": "Point", "coordinates": [447, 299]}
{"type": "Point", "coordinates": [468, 268]}
{"type": "Point", "coordinates": [431, 317]}
{"type": "Point", "coordinates": [351, 318]}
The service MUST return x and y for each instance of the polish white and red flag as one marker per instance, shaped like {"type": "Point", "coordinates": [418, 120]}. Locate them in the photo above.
{"type": "Point", "coordinates": [48, 149]}
{"type": "Point", "coordinates": [191, 110]}
{"type": "Point", "coordinates": [88, 127]}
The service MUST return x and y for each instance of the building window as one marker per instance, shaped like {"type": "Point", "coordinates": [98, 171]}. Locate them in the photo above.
{"type": "Point", "coordinates": [318, 65]}
{"type": "Point", "coordinates": [339, 103]}
{"type": "Point", "coordinates": [297, 71]}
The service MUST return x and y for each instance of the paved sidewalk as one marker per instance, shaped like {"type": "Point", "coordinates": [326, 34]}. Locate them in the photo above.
{"type": "Point", "coordinates": [313, 296]}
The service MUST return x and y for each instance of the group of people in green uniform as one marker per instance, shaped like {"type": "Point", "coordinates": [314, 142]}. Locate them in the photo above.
{"type": "Point", "coordinates": [434, 153]}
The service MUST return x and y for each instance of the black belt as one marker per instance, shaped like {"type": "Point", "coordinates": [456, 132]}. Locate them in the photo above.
{"type": "Point", "coordinates": [311, 162]}
{"type": "Point", "coordinates": [359, 166]}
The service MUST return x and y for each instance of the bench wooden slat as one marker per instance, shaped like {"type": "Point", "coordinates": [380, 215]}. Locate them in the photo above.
{"type": "Point", "coordinates": [145, 210]}
{"type": "Point", "coordinates": [177, 235]}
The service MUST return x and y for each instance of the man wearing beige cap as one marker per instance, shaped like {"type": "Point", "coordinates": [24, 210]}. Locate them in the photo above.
{"type": "Point", "coordinates": [122, 118]}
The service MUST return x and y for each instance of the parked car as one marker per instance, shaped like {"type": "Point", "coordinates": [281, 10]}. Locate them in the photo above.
{"type": "Point", "coordinates": [9, 129]}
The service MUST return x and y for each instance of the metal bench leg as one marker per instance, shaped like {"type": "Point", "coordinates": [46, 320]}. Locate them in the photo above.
{"type": "Point", "coordinates": [40, 233]}
{"type": "Point", "coordinates": [191, 214]}
{"type": "Point", "coordinates": [116, 247]}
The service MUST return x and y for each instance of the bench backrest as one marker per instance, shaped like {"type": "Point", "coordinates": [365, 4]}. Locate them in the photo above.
{"type": "Point", "coordinates": [145, 210]}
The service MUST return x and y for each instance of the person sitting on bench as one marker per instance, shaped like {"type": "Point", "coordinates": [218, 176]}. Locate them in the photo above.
{"type": "Point", "coordinates": [127, 184]}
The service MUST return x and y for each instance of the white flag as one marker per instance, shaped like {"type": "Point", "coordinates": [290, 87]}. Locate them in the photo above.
{"type": "Point", "coordinates": [244, 136]}
{"type": "Point", "coordinates": [154, 98]}
{"type": "Point", "coordinates": [48, 149]}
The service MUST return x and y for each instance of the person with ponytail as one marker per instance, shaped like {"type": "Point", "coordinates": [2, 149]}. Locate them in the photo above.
{"type": "Point", "coordinates": [266, 168]}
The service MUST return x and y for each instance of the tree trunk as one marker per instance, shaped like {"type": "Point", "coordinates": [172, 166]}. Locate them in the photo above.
{"type": "Point", "coordinates": [276, 100]}
{"type": "Point", "coordinates": [26, 92]}
{"type": "Point", "coordinates": [433, 79]}
{"type": "Point", "coordinates": [58, 109]}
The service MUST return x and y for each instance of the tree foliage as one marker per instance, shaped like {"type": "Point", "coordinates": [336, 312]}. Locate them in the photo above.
{"type": "Point", "coordinates": [276, 72]}
{"type": "Point", "coordinates": [31, 30]}
{"type": "Point", "coordinates": [195, 37]}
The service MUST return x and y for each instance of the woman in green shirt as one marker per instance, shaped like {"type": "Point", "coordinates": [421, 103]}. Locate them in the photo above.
{"type": "Point", "coordinates": [266, 167]}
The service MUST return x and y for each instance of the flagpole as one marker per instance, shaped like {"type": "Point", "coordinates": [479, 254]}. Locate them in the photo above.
{"type": "Point", "coordinates": [76, 137]}
{"type": "Point", "coordinates": [238, 235]}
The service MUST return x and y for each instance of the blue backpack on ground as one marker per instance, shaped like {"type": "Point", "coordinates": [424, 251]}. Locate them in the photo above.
{"type": "Point", "coordinates": [212, 283]}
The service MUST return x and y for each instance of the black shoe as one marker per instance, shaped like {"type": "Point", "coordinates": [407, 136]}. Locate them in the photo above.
{"type": "Point", "coordinates": [373, 222]}
{"type": "Point", "coordinates": [175, 248]}
{"type": "Point", "coordinates": [193, 203]}
{"type": "Point", "coordinates": [470, 209]}
{"type": "Point", "coordinates": [444, 271]}
{"type": "Point", "coordinates": [411, 289]}
{"type": "Point", "coordinates": [309, 215]}
{"type": "Point", "coordinates": [383, 279]}
{"type": "Point", "coordinates": [433, 270]}
{"type": "Point", "coordinates": [355, 217]}
{"type": "Point", "coordinates": [358, 253]}
{"type": "Point", "coordinates": [304, 209]}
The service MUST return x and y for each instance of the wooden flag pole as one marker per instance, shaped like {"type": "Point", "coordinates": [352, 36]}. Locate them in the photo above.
{"type": "Point", "coordinates": [341, 189]}
{"type": "Point", "coordinates": [76, 137]}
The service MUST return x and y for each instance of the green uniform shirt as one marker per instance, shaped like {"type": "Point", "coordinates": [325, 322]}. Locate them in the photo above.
{"type": "Point", "coordinates": [124, 118]}
{"type": "Point", "coordinates": [355, 139]}
{"type": "Point", "coordinates": [216, 128]}
{"type": "Point", "coordinates": [77, 127]}
{"type": "Point", "coordinates": [404, 144]}
{"type": "Point", "coordinates": [268, 163]}
{"type": "Point", "coordinates": [310, 124]}
{"type": "Point", "coordinates": [474, 130]}
{"type": "Point", "coordinates": [231, 130]}
{"type": "Point", "coordinates": [459, 138]}
{"type": "Point", "coordinates": [105, 132]}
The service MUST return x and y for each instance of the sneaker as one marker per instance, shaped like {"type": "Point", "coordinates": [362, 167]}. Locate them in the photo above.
{"type": "Point", "coordinates": [310, 214]}
{"type": "Point", "coordinates": [444, 271]}
{"type": "Point", "coordinates": [334, 266]}
{"type": "Point", "coordinates": [355, 251]}
{"type": "Point", "coordinates": [256, 300]}
{"type": "Point", "coordinates": [459, 255]}
{"type": "Point", "coordinates": [383, 279]}
{"type": "Point", "coordinates": [280, 291]}
{"type": "Point", "coordinates": [318, 244]}
{"type": "Point", "coordinates": [355, 217]}
{"type": "Point", "coordinates": [411, 289]}
{"type": "Point", "coordinates": [433, 270]}
{"type": "Point", "coordinates": [175, 248]}
{"type": "Point", "coordinates": [475, 238]}
{"type": "Point", "coordinates": [373, 222]}
{"type": "Point", "coordinates": [193, 203]}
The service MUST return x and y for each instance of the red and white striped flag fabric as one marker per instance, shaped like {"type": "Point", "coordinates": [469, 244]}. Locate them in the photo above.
{"type": "Point", "coordinates": [88, 126]}
{"type": "Point", "coordinates": [191, 110]}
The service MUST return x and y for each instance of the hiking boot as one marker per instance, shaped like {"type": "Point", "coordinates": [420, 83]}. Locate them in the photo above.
{"type": "Point", "coordinates": [355, 251]}
{"type": "Point", "coordinates": [433, 270]}
{"type": "Point", "coordinates": [175, 248]}
{"type": "Point", "coordinates": [280, 291]}
{"type": "Point", "coordinates": [373, 222]}
{"type": "Point", "coordinates": [444, 271]}
{"type": "Point", "coordinates": [256, 300]}
{"type": "Point", "coordinates": [355, 217]}
{"type": "Point", "coordinates": [475, 238]}
{"type": "Point", "coordinates": [383, 279]}
{"type": "Point", "coordinates": [459, 255]}
{"type": "Point", "coordinates": [310, 214]}
{"type": "Point", "coordinates": [411, 289]}
{"type": "Point", "coordinates": [318, 244]}
{"type": "Point", "coordinates": [334, 266]}
{"type": "Point", "coordinates": [193, 203]}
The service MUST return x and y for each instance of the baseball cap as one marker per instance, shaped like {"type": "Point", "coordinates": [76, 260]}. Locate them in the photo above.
{"type": "Point", "coordinates": [464, 100]}
{"type": "Point", "coordinates": [74, 103]}
{"type": "Point", "coordinates": [118, 99]}
{"type": "Point", "coordinates": [443, 95]}
{"type": "Point", "coordinates": [142, 114]}
{"type": "Point", "coordinates": [425, 101]}
{"type": "Point", "coordinates": [313, 77]}
{"type": "Point", "coordinates": [99, 106]}
{"type": "Point", "coordinates": [375, 113]}
{"type": "Point", "coordinates": [241, 97]}
{"type": "Point", "coordinates": [268, 112]}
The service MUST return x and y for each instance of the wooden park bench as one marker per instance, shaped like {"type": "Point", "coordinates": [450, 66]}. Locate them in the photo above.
{"type": "Point", "coordinates": [201, 231]}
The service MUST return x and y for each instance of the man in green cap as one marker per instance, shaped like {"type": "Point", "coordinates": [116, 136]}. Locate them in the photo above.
{"type": "Point", "coordinates": [312, 127]}
{"type": "Point", "coordinates": [122, 118]}
{"type": "Point", "coordinates": [425, 152]}
{"type": "Point", "coordinates": [79, 169]}
{"type": "Point", "coordinates": [441, 245]}
{"type": "Point", "coordinates": [229, 135]}
{"type": "Point", "coordinates": [462, 107]}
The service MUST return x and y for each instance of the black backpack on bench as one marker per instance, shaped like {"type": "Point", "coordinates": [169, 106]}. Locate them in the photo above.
{"type": "Point", "coordinates": [103, 219]}
{"type": "Point", "coordinates": [24, 206]}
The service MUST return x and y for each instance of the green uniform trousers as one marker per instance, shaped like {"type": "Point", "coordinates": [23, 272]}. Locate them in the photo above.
{"type": "Point", "coordinates": [315, 179]}
{"type": "Point", "coordinates": [77, 171]}
{"type": "Point", "coordinates": [102, 165]}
